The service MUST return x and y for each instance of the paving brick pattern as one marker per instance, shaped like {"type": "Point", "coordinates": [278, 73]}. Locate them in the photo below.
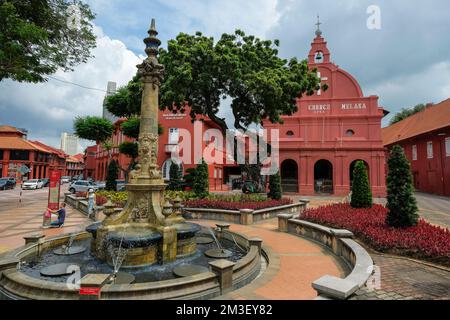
{"type": "Point", "coordinates": [405, 279]}
{"type": "Point", "coordinates": [18, 220]}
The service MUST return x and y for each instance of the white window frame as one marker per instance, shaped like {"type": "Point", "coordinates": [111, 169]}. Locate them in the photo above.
{"type": "Point", "coordinates": [414, 152]}
{"type": "Point", "coordinates": [430, 151]}
{"type": "Point", "coordinates": [174, 135]}
{"type": "Point", "coordinates": [447, 147]}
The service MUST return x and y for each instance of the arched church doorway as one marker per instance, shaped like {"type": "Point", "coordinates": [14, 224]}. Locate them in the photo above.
{"type": "Point", "coordinates": [352, 168]}
{"type": "Point", "coordinates": [323, 177]}
{"type": "Point", "coordinates": [289, 176]}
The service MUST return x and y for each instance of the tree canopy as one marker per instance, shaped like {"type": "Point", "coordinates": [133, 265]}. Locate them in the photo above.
{"type": "Point", "coordinates": [245, 68]}
{"type": "Point", "coordinates": [38, 37]}
{"type": "Point", "coordinates": [405, 113]}
{"type": "Point", "coordinates": [93, 128]}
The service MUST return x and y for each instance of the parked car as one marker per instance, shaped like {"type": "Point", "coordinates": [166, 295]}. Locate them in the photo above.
{"type": "Point", "coordinates": [46, 182]}
{"type": "Point", "coordinates": [65, 179]}
{"type": "Point", "coordinates": [101, 185]}
{"type": "Point", "coordinates": [82, 186]}
{"type": "Point", "coordinates": [7, 183]}
{"type": "Point", "coordinates": [32, 184]}
{"type": "Point", "coordinates": [120, 185]}
{"type": "Point", "coordinates": [76, 178]}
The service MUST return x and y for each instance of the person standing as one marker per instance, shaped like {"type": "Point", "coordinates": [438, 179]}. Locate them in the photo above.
{"type": "Point", "coordinates": [91, 203]}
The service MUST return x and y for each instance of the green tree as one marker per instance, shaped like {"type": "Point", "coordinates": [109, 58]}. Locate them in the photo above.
{"type": "Point", "coordinates": [201, 181]}
{"type": "Point", "coordinates": [126, 101]}
{"type": "Point", "coordinates": [275, 192]}
{"type": "Point", "coordinates": [38, 37]}
{"type": "Point", "coordinates": [175, 182]}
{"type": "Point", "coordinates": [361, 193]}
{"type": "Point", "coordinates": [93, 128]}
{"type": "Point", "coordinates": [112, 176]}
{"type": "Point", "coordinates": [246, 69]}
{"type": "Point", "coordinates": [405, 113]}
{"type": "Point", "coordinates": [401, 202]}
{"type": "Point", "coordinates": [261, 85]}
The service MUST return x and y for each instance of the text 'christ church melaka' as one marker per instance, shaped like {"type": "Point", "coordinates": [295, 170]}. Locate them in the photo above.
{"type": "Point", "coordinates": [332, 130]}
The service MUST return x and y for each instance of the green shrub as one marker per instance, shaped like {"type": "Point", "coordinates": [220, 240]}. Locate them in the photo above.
{"type": "Point", "coordinates": [201, 181]}
{"type": "Point", "coordinates": [189, 177]}
{"type": "Point", "coordinates": [361, 193]}
{"type": "Point", "coordinates": [117, 197]}
{"type": "Point", "coordinates": [275, 192]}
{"type": "Point", "coordinates": [401, 202]}
{"type": "Point", "coordinates": [175, 182]}
{"type": "Point", "coordinates": [113, 175]}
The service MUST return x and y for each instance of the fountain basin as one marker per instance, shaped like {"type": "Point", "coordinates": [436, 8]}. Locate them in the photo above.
{"type": "Point", "coordinates": [133, 238]}
{"type": "Point", "coordinates": [21, 284]}
{"type": "Point", "coordinates": [139, 245]}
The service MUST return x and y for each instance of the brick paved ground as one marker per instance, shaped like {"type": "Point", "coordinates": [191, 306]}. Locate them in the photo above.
{"type": "Point", "coordinates": [20, 219]}
{"type": "Point", "coordinates": [404, 279]}
{"type": "Point", "coordinates": [295, 263]}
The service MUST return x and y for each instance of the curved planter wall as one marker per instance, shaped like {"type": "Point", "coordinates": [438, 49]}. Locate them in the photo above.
{"type": "Point", "coordinates": [244, 216]}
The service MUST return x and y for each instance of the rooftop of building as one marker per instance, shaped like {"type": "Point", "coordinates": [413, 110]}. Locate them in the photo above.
{"type": "Point", "coordinates": [434, 117]}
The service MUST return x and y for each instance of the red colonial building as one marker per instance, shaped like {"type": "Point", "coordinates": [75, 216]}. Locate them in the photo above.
{"type": "Point", "coordinates": [75, 165]}
{"type": "Point", "coordinates": [17, 152]}
{"type": "Point", "coordinates": [334, 128]}
{"type": "Point", "coordinates": [180, 134]}
{"type": "Point", "coordinates": [425, 137]}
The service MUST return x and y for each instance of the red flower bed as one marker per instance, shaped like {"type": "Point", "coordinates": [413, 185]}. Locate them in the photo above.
{"type": "Point", "coordinates": [100, 200]}
{"type": "Point", "coordinates": [227, 205]}
{"type": "Point", "coordinates": [423, 241]}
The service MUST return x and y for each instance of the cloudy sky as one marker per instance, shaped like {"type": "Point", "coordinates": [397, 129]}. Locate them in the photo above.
{"type": "Point", "coordinates": [406, 62]}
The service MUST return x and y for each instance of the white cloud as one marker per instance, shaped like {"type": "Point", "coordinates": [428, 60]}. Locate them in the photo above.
{"type": "Point", "coordinates": [47, 109]}
{"type": "Point", "coordinates": [217, 17]}
{"type": "Point", "coordinates": [404, 91]}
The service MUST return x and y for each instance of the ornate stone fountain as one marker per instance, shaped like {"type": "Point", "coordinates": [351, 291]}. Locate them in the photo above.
{"type": "Point", "coordinates": [148, 228]}
{"type": "Point", "coordinates": [147, 232]}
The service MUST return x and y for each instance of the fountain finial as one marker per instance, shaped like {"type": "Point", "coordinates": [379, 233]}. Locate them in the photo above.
{"type": "Point", "coordinates": [153, 26]}
{"type": "Point", "coordinates": [152, 42]}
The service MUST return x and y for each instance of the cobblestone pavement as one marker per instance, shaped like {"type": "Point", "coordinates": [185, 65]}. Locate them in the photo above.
{"type": "Point", "coordinates": [404, 279]}
{"type": "Point", "coordinates": [434, 209]}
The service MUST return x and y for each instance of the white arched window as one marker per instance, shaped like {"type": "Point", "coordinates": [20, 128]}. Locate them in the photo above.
{"type": "Point", "coordinates": [166, 168]}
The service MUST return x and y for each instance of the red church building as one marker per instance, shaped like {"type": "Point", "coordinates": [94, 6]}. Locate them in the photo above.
{"type": "Point", "coordinates": [334, 128]}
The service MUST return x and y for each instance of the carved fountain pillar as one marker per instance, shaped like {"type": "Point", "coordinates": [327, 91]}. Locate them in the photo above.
{"type": "Point", "coordinates": [144, 212]}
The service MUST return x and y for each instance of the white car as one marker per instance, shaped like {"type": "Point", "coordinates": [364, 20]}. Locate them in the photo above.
{"type": "Point", "coordinates": [33, 184]}
{"type": "Point", "coordinates": [65, 180]}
